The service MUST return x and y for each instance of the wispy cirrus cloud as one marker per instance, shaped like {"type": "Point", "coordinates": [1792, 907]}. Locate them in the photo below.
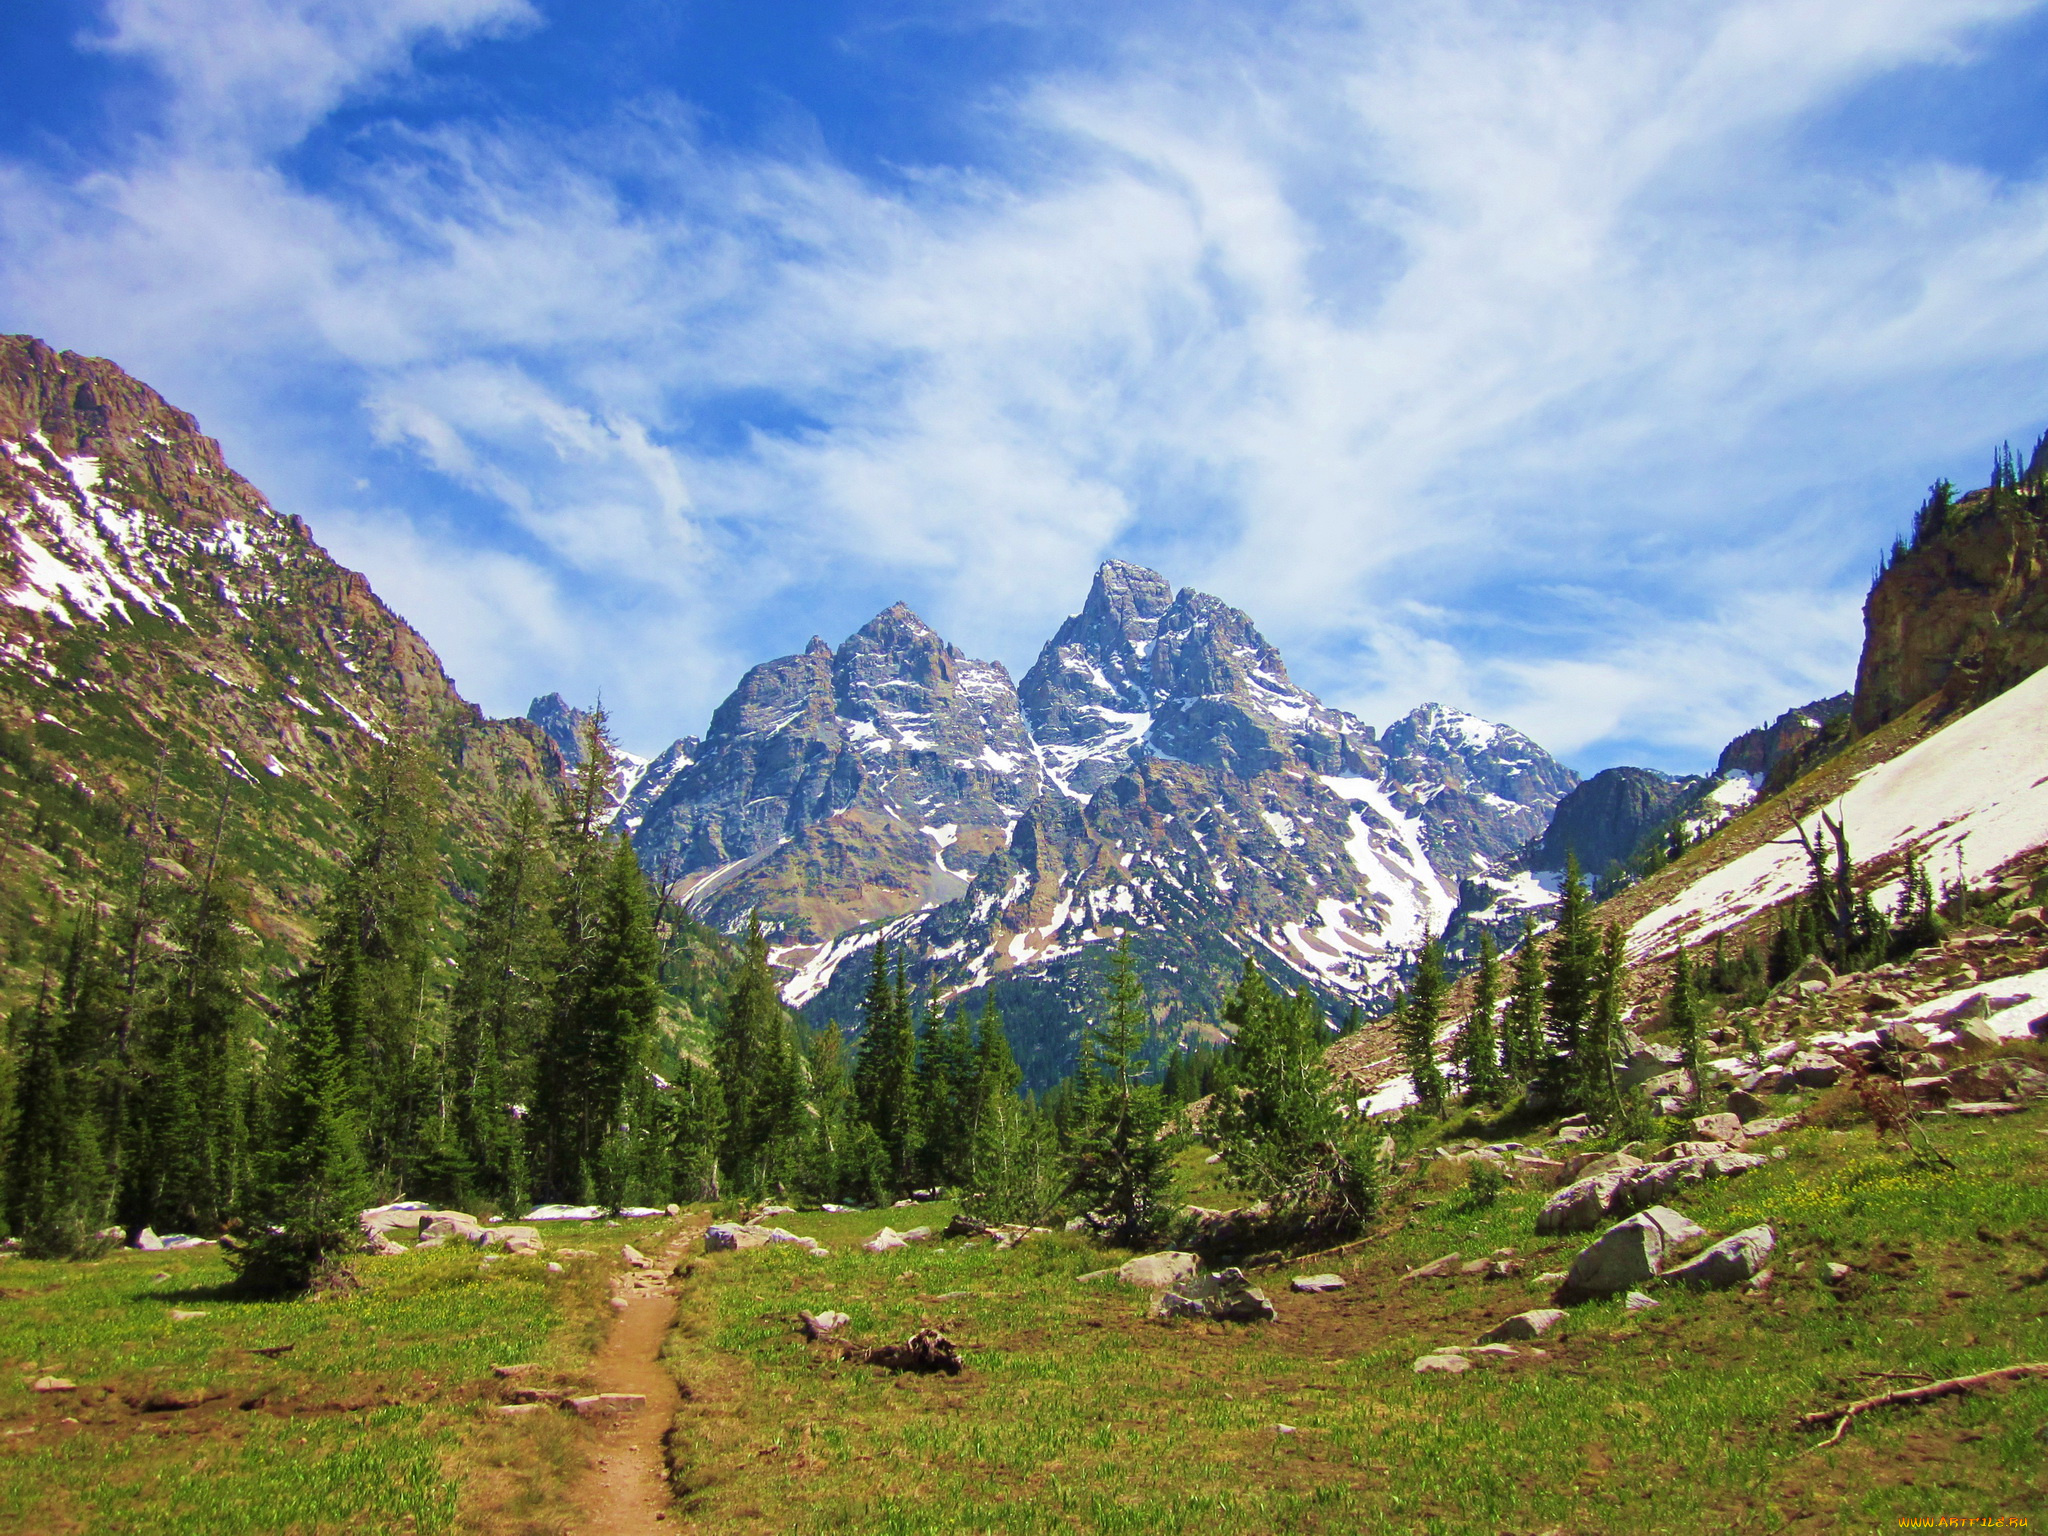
{"type": "Point", "coordinates": [1548, 360]}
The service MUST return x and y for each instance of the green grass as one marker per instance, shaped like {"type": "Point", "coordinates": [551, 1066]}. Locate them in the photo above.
{"type": "Point", "coordinates": [373, 1420]}
{"type": "Point", "coordinates": [1077, 1414]}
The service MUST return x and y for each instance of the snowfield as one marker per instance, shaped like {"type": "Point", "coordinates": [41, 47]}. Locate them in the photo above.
{"type": "Point", "coordinates": [1968, 798]}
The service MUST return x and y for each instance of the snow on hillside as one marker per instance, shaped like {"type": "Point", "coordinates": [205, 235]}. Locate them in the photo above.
{"type": "Point", "coordinates": [1968, 798]}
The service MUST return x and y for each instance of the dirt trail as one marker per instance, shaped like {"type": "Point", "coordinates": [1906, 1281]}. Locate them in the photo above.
{"type": "Point", "coordinates": [624, 1491]}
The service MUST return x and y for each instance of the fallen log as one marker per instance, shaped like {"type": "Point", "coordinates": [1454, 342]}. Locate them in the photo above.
{"type": "Point", "coordinates": [924, 1351]}
{"type": "Point", "coordinates": [1952, 1387]}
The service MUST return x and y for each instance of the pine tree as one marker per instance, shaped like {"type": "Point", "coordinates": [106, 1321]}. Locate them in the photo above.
{"type": "Point", "coordinates": [1478, 1054]}
{"type": "Point", "coordinates": [690, 1125]}
{"type": "Point", "coordinates": [1123, 1169]}
{"type": "Point", "coordinates": [597, 1038]}
{"type": "Point", "coordinates": [1572, 976]}
{"type": "Point", "coordinates": [885, 1075]}
{"type": "Point", "coordinates": [1416, 1025]}
{"type": "Point", "coordinates": [1600, 1041]}
{"type": "Point", "coordinates": [376, 952]}
{"type": "Point", "coordinates": [503, 1001]}
{"type": "Point", "coordinates": [57, 1184]}
{"type": "Point", "coordinates": [311, 1180]}
{"type": "Point", "coordinates": [945, 1096]}
{"type": "Point", "coordinates": [1522, 1053]}
{"type": "Point", "coordinates": [1285, 1134]}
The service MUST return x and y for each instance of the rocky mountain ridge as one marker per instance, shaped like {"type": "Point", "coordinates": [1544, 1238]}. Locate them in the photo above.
{"type": "Point", "coordinates": [1156, 770]}
{"type": "Point", "coordinates": [182, 655]}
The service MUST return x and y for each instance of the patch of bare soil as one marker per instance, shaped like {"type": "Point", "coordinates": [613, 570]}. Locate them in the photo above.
{"type": "Point", "coordinates": [624, 1490]}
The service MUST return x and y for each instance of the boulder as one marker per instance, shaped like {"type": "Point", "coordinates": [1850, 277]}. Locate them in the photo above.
{"type": "Point", "coordinates": [1636, 1301]}
{"type": "Point", "coordinates": [1975, 1035]}
{"type": "Point", "coordinates": [1723, 1128]}
{"type": "Point", "coordinates": [1435, 1269]}
{"type": "Point", "coordinates": [510, 1236]}
{"type": "Point", "coordinates": [1814, 1069]}
{"type": "Point", "coordinates": [964, 1225]}
{"type": "Point", "coordinates": [1649, 1061]}
{"type": "Point", "coordinates": [1628, 1253]}
{"type": "Point", "coordinates": [633, 1257]}
{"type": "Point", "coordinates": [52, 1384]}
{"type": "Point", "coordinates": [148, 1241]}
{"type": "Point", "coordinates": [1587, 1165]}
{"type": "Point", "coordinates": [733, 1236]}
{"type": "Point", "coordinates": [606, 1404]}
{"type": "Point", "coordinates": [1231, 1298]}
{"type": "Point", "coordinates": [1757, 1128]}
{"type": "Point", "coordinates": [1904, 1035]}
{"type": "Point", "coordinates": [1579, 1207]}
{"type": "Point", "coordinates": [1746, 1107]}
{"type": "Point", "coordinates": [1449, 1365]}
{"type": "Point", "coordinates": [1524, 1325]}
{"type": "Point", "coordinates": [1731, 1261]}
{"type": "Point", "coordinates": [1815, 969]}
{"type": "Point", "coordinates": [1681, 1151]}
{"type": "Point", "coordinates": [378, 1246]}
{"type": "Point", "coordinates": [1882, 1002]}
{"type": "Point", "coordinates": [1164, 1271]}
{"type": "Point", "coordinates": [817, 1325]}
{"type": "Point", "coordinates": [451, 1224]}
{"type": "Point", "coordinates": [1314, 1285]}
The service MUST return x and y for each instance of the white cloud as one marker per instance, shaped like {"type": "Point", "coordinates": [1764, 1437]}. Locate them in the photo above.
{"type": "Point", "coordinates": [1482, 352]}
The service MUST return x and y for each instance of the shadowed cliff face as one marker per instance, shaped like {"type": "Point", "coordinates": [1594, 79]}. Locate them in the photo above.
{"type": "Point", "coordinates": [1964, 615]}
{"type": "Point", "coordinates": [169, 636]}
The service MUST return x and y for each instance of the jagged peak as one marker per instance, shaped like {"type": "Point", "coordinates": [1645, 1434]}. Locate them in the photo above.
{"type": "Point", "coordinates": [895, 626]}
{"type": "Point", "coordinates": [1127, 592]}
{"type": "Point", "coordinates": [817, 647]}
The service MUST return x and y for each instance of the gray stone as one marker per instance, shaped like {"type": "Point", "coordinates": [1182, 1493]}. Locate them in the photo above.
{"type": "Point", "coordinates": [633, 1257]}
{"type": "Point", "coordinates": [1746, 1106]}
{"type": "Point", "coordinates": [1229, 1297]}
{"type": "Point", "coordinates": [885, 1240]}
{"type": "Point", "coordinates": [1164, 1271]}
{"type": "Point", "coordinates": [1729, 1262]}
{"type": "Point", "coordinates": [1532, 1324]}
{"type": "Point", "coordinates": [1815, 969]}
{"type": "Point", "coordinates": [1449, 1365]}
{"type": "Point", "coordinates": [1813, 1069]}
{"type": "Point", "coordinates": [606, 1404]}
{"type": "Point", "coordinates": [1974, 1034]}
{"type": "Point", "coordinates": [1905, 1035]}
{"type": "Point", "coordinates": [1680, 1151]}
{"type": "Point", "coordinates": [1316, 1284]}
{"type": "Point", "coordinates": [1723, 1127]}
{"type": "Point", "coordinates": [1579, 1207]}
{"type": "Point", "coordinates": [1636, 1301]}
{"type": "Point", "coordinates": [733, 1236]}
{"type": "Point", "coordinates": [1628, 1253]}
{"type": "Point", "coordinates": [817, 1325]}
{"type": "Point", "coordinates": [1647, 1062]}
{"type": "Point", "coordinates": [1435, 1269]}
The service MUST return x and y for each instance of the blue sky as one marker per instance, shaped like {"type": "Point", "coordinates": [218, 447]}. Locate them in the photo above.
{"type": "Point", "coordinates": [1567, 363]}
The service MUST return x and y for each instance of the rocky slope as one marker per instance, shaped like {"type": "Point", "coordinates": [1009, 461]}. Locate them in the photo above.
{"type": "Point", "coordinates": [1963, 613]}
{"type": "Point", "coordinates": [837, 787]}
{"type": "Point", "coordinates": [170, 638]}
{"type": "Point", "coordinates": [639, 781]}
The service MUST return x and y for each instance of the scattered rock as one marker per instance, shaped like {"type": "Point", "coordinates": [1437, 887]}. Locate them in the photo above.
{"type": "Point", "coordinates": [1636, 1301]}
{"type": "Point", "coordinates": [964, 1225]}
{"type": "Point", "coordinates": [1435, 1269]}
{"type": "Point", "coordinates": [178, 1316]}
{"type": "Point", "coordinates": [817, 1326]}
{"type": "Point", "coordinates": [1725, 1128]}
{"type": "Point", "coordinates": [633, 1256]}
{"type": "Point", "coordinates": [730, 1237]}
{"type": "Point", "coordinates": [1316, 1284]}
{"type": "Point", "coordinates": [1164, 1271]}
{"type": "Point", "coordinates": [1815, 969]}
{"type": "Point", "coordinates": [1813, 1069]}
{"type": "Point", "coordinates": [1524, 1325]}
{"type": "Point", "coordinates": [885, 1240]}
{"type": "Point", "coordinates": [1225, 1296]}
{"type": "Point", "coordinates": [514, 1410]}
{"type": "Point", "coordinates": [1579, 1207]}
{"type": "Point", "coordinates": [52, 1384]}
{"type": "Point", "coordinates": [1882, 1002]}
{"type": "Point", "coordinates": [1759, 1128]}
{"type": "Point", "coordinates": [606, 1404]}
{"type": "Point", "coordinates": [1746, 1106]}
{"type": "Point", "coordinates": [554, 1268]}
{"type": "Point", "coordinates": [1729, 1262]}
{"type": "Point", "coordinates": [1475, 1266]}
{"type": "Point", "coordinates": [524, 1368]}
{"type": "Point", "coordinates": [1975, 1035]}
{"type": "Point", "coordinates": [1448, 1364]}
{"type": "Point", "coordinates": [1628, 1253]}
{"type": "Point", "coordinates": [1096, 1274]}
{"type": "Point", "coordinates": [1838, 1271]}
{"type": "Point", "coordinates": [1979, 1110]}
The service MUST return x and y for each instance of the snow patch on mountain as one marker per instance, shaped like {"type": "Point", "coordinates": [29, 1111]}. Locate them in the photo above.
{"type": "Point", "coordinates": [1967, 799]}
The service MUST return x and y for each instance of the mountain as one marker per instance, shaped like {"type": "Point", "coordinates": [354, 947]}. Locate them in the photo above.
{"type": "Point", "coordinates": [1159, 772]}
{"type": "Point", "coordinates": [639, 781]}
{"type": "Point", "coordinates": [841, 786]}
{"type": "Point", "coordinates": [182, 656]}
